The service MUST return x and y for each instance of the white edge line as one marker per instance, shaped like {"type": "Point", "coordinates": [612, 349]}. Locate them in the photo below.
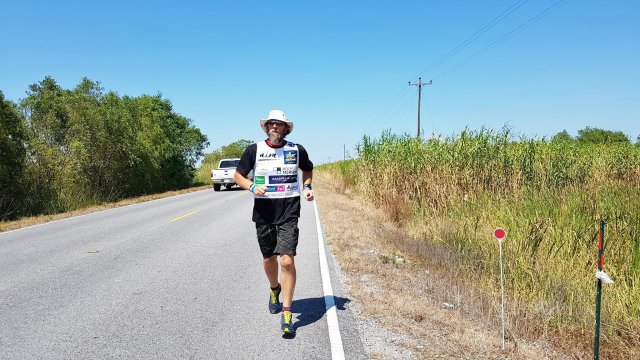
{"type": "Point", "coordinates": [95, 212]}
{"type": "Point", "coordinates": [337, 350]}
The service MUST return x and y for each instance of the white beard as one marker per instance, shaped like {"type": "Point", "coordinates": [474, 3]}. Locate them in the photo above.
{"type": "Point", "coordinates": [275, 138]}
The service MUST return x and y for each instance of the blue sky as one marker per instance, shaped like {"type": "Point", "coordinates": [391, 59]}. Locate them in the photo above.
{"type": "Point", "coordinates": [340, 69]}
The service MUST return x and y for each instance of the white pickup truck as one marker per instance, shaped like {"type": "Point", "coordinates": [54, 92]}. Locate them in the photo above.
{"type": "Point", "coordinates": [223, 175]}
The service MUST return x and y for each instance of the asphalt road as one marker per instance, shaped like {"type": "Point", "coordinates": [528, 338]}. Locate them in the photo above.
{"type": "Point", "coordinates": [147, 282]}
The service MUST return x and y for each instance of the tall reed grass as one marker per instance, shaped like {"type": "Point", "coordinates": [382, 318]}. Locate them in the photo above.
{"type": "Point", "coordinates": [549, 196]}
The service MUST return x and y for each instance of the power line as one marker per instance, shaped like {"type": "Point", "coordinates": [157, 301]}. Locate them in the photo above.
{"type": "Point", "coordinates": [390, 105]}
{"type": "Point", "coordinates": [476, 35]}
{"type": "Point", "coordinates": [391, 116]}
{"type": "Point", "coordinates": [504, 38]}
{"type": "Point", "coordinates": [382, 118]}
{"type": "Point", "coordinates": [383, 115]}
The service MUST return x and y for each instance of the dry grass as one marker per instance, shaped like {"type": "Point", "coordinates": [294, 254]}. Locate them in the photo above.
{"type": "Point", "coordinates": [35, 220]}
{"type": "Point", "coordinates": [550, 196]}
{"type": "Point", "coordinates": [404, 284]}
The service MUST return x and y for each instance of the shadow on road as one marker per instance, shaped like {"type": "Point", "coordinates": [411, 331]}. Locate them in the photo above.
{"type": "Point", "coordinates": [313, 309]}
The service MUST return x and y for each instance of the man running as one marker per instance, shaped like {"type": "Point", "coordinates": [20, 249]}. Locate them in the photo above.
{"type": "Point", "coordinates": [276, 207]}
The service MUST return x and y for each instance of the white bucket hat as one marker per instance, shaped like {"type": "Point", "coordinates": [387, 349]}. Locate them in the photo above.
{"type": "Point", "coordinates": [279, 116]}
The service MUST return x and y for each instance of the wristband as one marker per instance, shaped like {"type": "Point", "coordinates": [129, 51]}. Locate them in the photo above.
{"type": "Point", "coordinates": [252, 187]}
{"type": "Point", "coordinates": [307, 186]}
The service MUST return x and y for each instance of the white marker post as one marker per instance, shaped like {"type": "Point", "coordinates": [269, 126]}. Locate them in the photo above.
{"type": "Point", "coordinates": [500, 234]}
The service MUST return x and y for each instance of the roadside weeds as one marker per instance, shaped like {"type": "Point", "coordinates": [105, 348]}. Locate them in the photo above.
{"type": "Point", "coordinates": [421, 306]}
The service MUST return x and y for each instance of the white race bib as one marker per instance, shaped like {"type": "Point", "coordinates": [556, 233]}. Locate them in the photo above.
{"type": "Point", "coordinates": [277, 170]}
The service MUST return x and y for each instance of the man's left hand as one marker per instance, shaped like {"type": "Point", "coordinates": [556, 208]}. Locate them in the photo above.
{"type": "Point", "coordinates": [308, 194]}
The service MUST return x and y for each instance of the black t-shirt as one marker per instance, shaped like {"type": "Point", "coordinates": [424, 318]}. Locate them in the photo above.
{"type": "Point", "coordinates": [273, 211]}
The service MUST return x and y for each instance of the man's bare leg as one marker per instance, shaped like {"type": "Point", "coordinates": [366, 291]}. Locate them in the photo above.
{"type": "Point", "coordinates": [288, 267]}
{"type": "Point", "coordinates": [271, 269]}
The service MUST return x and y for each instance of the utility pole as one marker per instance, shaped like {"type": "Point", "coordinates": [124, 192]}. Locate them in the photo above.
{"type": "Point", "coordinates": [419, 85]}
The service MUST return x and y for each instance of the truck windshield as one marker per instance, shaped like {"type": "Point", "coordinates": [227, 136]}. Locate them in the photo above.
{"type": "Point", "coordinates": [229, 163]}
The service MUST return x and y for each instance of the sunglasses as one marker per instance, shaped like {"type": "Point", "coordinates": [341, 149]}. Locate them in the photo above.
{"type": "Point", "coordinates": [275, 123]}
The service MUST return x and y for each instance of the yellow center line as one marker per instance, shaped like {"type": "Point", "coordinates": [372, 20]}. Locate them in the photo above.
{"type": "Point", "coordinates": [184, 216]}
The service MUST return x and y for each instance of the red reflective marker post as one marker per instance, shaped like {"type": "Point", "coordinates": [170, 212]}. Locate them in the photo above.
{"type": "Point", "coordinates": [500, 234]}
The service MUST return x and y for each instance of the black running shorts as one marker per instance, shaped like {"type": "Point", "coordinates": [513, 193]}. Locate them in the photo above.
{"type": "Point", "coordinates": [278, 239]}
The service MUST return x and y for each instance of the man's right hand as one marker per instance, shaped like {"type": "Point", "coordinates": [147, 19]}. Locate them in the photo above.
{"type": "Point", "coordinates": [260, 190]}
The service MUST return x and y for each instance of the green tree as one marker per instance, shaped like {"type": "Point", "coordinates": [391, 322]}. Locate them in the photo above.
{"type": "Point", "coordinates": [168, 145]}
{"type": "Point", "coordinates": [595, 135]}
{"type": "Point", "coordinates": [233, 150]}
{"type": "Point", "coordinates": [47, 116]}
{"type": "Point", "coordinates": [562, 136]}
{"type": "Point", "coordinates": [47, 112]}
{"type": "Point", "coordinates": [100, 139]}
{"type": "Point", "coordinates": [87, 146]}
{"type": "Point", "coordinates": [13, 139]}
